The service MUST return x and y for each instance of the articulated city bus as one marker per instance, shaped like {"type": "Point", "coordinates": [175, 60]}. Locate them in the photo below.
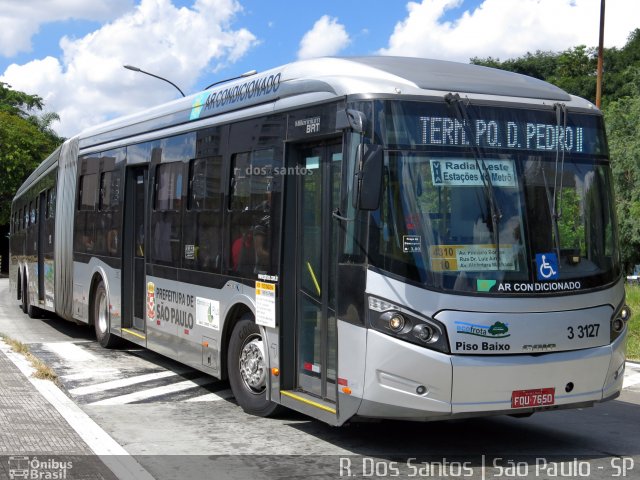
{"type": "Point", "coordinates": [376, 237]}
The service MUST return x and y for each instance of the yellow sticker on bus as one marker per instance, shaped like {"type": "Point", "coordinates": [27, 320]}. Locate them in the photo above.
{"type": "Point", "coordinates": [266, 304]}
{"type": "Point", "coordinates": [471, 258]}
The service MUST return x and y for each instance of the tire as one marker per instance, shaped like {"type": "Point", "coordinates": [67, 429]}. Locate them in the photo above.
{"type": "Point", "coordinates": [33, 312]}
{"type": "Point", "coordinates": [101, 318]}
{"type": "Point", "coordinates": [247, 369]}
{"type": "Point", "coordinates": [24, 293]}
{"type": "Point", "coordinates": [27, 308]}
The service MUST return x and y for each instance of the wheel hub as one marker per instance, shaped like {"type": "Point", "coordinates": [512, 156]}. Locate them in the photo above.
{"type": "Point", "coordinates": [252, 365]}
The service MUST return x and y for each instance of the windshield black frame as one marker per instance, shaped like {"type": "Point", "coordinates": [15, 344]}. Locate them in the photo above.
{"type": "Point", "coordinates": [581, 264]}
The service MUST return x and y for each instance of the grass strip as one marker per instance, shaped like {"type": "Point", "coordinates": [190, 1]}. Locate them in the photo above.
{"type": "Point", "coordinates": [43, 371]}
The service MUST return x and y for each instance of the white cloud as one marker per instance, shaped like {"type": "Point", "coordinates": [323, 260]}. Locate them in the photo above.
{"type": "Point", "coordinates": [89, 84]}
{"type": "Point", "coordinates": [327, 37]}
{"type": "Point", "coordinates": [506, 28]}
{"type": "Point", "coordinates": [20, 19]}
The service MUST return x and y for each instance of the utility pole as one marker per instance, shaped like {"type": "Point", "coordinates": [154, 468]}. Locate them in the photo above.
{"type": "Point", "coordinates": [600, 57]}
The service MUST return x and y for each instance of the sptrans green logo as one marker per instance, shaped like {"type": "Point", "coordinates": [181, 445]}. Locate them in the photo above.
{"type": "Point", "coordinates": [497, 330]}
{"type": "Point", "coordinates": [485, 285]}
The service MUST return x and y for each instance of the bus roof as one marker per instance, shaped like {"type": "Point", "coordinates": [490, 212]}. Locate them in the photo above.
{"type": "Point", "coordinates": [454, 77]}
{"type": "Point", "coordinates": [332, 77]}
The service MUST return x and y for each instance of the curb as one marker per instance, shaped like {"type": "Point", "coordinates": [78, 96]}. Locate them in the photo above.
{"type": "Point", "coordinates": [111, 453]}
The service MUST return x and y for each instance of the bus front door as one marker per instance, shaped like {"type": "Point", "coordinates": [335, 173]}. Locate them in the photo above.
{"type": "Point", "coordinates": [318, 195]}
{"type": "Point", "coordinates": [133, 265]}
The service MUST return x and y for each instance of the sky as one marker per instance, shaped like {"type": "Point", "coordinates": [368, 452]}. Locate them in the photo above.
{"type": "Point", "coordinates": [71, 52]}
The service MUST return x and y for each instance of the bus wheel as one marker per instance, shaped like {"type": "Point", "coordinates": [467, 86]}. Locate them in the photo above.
{"type": "Point", "coordinates": [247, 365]}
{"type": "Point", "coordinates": [26, 302]}
{"type": "Point", "coordinates": [24, 294]}
{"type": "Point", "coordinates": [101, 318]}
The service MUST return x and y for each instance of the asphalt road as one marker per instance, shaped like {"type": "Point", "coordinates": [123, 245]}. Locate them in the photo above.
{"type": "Point", "coordinates": [178, 422]}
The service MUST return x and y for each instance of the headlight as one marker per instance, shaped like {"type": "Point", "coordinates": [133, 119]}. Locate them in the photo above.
{"type": "Point", "coordinates": [619, 320]}
{"type": "Point", "coordinates": [625, 313]}
{"type": "Point", "coordinates": [424, 333]}
{"type": "Point", "coordinates": [398, 322]}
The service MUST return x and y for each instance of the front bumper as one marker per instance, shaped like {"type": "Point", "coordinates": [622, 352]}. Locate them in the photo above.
{"type": "Point", "coordinates": [467, 385]}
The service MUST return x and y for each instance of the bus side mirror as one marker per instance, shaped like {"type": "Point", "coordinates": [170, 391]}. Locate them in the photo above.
{"type": "Point", "coordinates": [368, 180]}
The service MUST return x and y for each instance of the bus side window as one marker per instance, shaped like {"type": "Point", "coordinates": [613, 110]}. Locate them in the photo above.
{"type": "Point", "coordinates": [47, 213]}
{"type": "Point", "coordinates": [165, 222]}
{"type": "Point", "coordinates": [51, 208]}
{"type": "Point", "coordinates": [104, 202]}
{"type": "Point", "coordinates": [203, 219]}
{"type": "Point", "coordinates": [108, 214]}
{"type": "Point", "coordinates": [252, 206]}
{"type": "Point", "coordinates": [85, 218]}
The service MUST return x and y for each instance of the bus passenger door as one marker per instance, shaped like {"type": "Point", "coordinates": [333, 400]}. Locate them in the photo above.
{"type": "Point", "coordinates": [318, 195]}
{"type": "Point", "coordinates": [133, 265]}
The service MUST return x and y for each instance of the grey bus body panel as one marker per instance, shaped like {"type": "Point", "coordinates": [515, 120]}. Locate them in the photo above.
{"type": "Point", "coordinates": [352, 351]}
{"type": "Point", "coordinates": [65, 210]}
{"type": "Point", "coordinates": [185, 321]}
{"type": "Point", "coordinates": [473, 332]}
{"type": "Point", "coordinates": [395, 369]}
{"type": "Point", "coordinates": [460, 77]}
{"type": "Point", "coordinates": [429, 302]}
{"type": "Point", "coordinates": [83, 275]}
{"type": "Point", "coordinates": [489, 381]}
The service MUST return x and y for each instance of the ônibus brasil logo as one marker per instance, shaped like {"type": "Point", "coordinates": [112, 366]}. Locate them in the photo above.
{"type": "Point", "coordinates": [497, 330]}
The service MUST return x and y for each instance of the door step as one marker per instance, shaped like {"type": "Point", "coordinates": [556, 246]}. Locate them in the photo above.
{"type": "Point", "coordinates": [310, 405]}
{"type": "Point", "coordinates": [134, 335]}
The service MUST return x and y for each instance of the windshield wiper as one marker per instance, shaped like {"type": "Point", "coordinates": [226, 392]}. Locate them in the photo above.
{"type": "Point", "coordinates": [462, 116]}
{"type": "Point", "coordinates": [555, 206]}
{"type": "Point", "coordinates": [554, 218]}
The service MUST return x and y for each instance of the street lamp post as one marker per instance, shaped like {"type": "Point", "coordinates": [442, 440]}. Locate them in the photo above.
{"type": "Point", "coordinates": [136, 69]}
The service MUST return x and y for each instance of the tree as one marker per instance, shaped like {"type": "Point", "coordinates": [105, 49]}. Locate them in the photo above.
{"type": "Point", "coordinates": [574, 70]}
{"type": "Point", "coordinates": [623, 129]}
{"type": "Point", "coordinates": [25, 140]}
{"type": "Point", "coordinates": [18, 103]}
{"type": "Point", "coordinates": [541, 65]}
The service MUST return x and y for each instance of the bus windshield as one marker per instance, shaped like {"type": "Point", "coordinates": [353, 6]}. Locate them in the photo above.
{"type": "Point", "coordinates": [554, 230]}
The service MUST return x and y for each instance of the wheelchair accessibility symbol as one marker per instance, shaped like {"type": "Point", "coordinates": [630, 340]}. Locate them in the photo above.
{"type": "Point", "coordinates": [547, 264]}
